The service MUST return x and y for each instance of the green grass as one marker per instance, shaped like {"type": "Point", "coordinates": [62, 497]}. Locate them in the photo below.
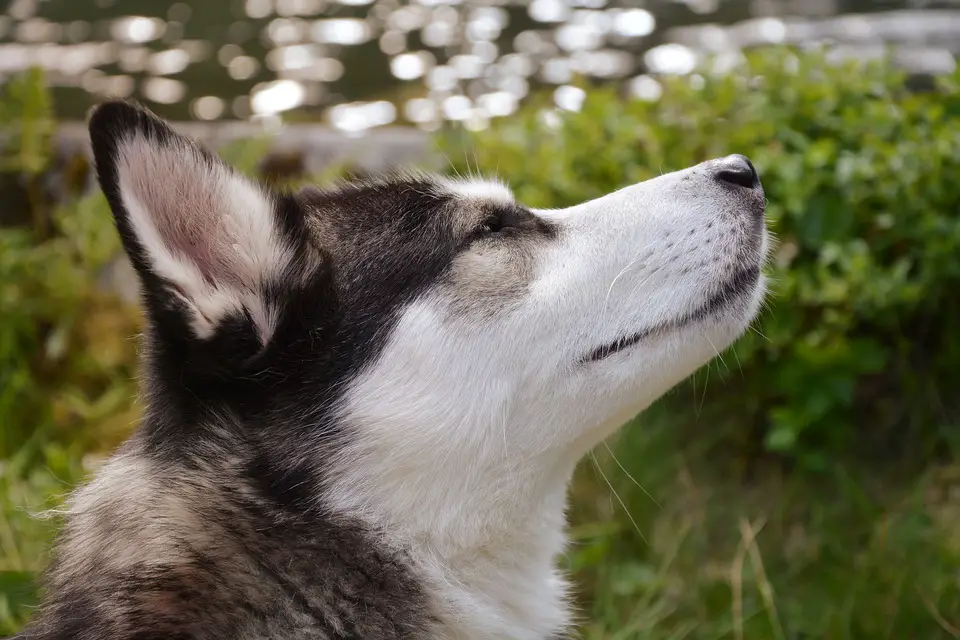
{"type": "Point", "coordinates": [24, 537]}
{"type": "Point", "coordinates": [671, 544]}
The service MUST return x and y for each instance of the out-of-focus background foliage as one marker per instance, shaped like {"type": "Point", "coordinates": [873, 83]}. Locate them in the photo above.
{"type": "Point", "coordinates": [804, 485]}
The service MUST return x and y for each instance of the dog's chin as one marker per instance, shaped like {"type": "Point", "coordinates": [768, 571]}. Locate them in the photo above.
{"type": "Point", "coordinates": [729, 314]}
{"type": "Point", "coordinates": [679, 352]}
{"type": "Point", "coordinates": [730, 309]}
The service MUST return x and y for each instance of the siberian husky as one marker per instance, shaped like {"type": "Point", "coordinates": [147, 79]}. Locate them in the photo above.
{"type": "Point", "coordinates": [363, 405]}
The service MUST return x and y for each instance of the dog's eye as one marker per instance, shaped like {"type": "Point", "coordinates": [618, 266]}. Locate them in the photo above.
{"type": "Point", "coordinates": [508, 222]}
{"type": "Point", "coordinates": [491, 224]}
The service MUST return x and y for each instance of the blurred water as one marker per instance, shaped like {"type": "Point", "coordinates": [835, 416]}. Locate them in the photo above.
{"type": "Point", "coordinates": [359, 64]}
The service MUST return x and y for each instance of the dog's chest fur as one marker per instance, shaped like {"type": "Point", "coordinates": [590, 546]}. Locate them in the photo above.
{"type": "Point", "coordinates": [193, 551]}
{"type": "Point", "coordinates": [183, 557]}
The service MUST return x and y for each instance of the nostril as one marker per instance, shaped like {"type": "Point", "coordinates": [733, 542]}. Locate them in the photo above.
{"type": "Point", "coordinates": [738, 170]}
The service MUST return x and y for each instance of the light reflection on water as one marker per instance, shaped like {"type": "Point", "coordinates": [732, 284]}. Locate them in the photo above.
{"type": "Point", "coordinates": [460, 60]}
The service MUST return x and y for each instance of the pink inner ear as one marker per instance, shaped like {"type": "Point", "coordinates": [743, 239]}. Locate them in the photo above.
{"type": "Point", "coordinates": [188, 200]}
{"type": "Point", "coordinates": [204, 228]}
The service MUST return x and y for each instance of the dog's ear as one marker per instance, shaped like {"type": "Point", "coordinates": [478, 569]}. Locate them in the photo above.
{"type": "Point", "coordinates": [204, 239]}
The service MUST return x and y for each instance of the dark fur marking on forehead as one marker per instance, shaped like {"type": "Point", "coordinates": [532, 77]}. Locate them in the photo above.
{"type": "Point", "coordinates": [378, 207]}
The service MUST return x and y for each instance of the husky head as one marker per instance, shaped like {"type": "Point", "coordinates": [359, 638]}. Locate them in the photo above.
{"type": "Point", "coordinates": [427, 355]}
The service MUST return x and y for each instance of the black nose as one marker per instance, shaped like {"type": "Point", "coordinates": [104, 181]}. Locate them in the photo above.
{"type": "Point", "coordinates": [738, 170]}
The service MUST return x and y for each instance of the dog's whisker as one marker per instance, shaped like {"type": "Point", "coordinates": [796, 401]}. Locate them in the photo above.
{"type": "Point", "coordinates": [617, 496]}
{"type": "Point", "coordinates": [703, 398]}
{"type": "Point", "coordinates": [717, 351]}
{"type": "Point", "coordinates": [739, 364]}
{"type": "Point", "coordinates": [759, 333]}
{"type": "Point", "coordinates": [632, 479]}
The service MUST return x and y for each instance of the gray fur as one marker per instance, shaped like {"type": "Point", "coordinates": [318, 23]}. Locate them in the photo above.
{"type": "Point", "coordinates": [189, 550]}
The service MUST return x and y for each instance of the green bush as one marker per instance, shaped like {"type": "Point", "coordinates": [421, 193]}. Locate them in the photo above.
{"type": "Point", "coordinates": [67, 360]}
{"type": "Point", "coordinates": [860, 346]}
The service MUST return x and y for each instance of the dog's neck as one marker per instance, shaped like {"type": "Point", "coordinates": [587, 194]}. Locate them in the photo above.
{"type": "Point", "coordinates": [504, 587]}
{"type": "Point", "coordinates": [486, 544]}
